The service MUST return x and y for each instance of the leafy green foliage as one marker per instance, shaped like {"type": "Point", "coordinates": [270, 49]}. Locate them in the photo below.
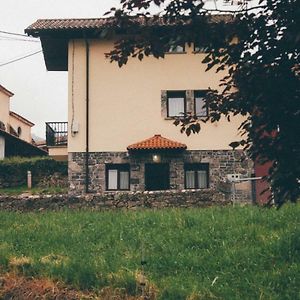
{"type": "Point", "coordinates": [259, 48]}
{"type": "Point", "coordinates": [13, 171]}
{"type": "Point", "coordinates": [213, 253]}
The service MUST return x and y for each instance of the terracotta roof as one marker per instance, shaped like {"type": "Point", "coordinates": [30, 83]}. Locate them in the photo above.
{"type": "Point", "coordinates": [17, 116]}
{"type": "Point", "coordinates": [99, 23]}
{"type": "Point", "coordinates": [6, 91]}
{"type": "Point", "coordinates": [52, 24]}
{"type": "Point", "coordinates": [157, 142]}
{"type": "Point", "coordinates": [56, 33]}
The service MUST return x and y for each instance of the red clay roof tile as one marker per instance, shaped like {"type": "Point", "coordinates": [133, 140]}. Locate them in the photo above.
{"type": "Point", "coordinates": [157, 142]}
{"type": "Point", "coordinates": [99, 23]}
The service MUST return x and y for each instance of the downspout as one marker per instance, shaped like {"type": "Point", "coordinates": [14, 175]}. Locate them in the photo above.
{"type": "Point", "coordinates": [87, 153]}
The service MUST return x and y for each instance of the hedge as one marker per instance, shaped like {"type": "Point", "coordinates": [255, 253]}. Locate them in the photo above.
{"type": "Point", "coordinates": [13, 171]}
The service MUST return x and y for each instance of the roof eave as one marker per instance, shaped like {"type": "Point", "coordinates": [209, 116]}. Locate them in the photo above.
{"type": "Point", "coordinates": [24, 148]}
{"type": "Point", "coordinates": [144, 150]}
{"type": "Point", "coordinates": [6, 91]}
{"type": "Point", "coordinates": [55, 44]}
{"type": "Point", "coordinates": [19, 117]}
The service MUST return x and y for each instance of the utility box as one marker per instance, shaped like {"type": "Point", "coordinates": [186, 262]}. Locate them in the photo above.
{"type": "Point", "coordinates": [75, 127]}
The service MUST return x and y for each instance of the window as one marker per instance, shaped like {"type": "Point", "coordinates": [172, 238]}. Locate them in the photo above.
{"type": "Point", "coordinates": [180, 103]}
{"type": "Point", "coordinates": [198, 48]}
{"type": "Point", "coordinates": [200, 104]}
{"type": "Point", "coordinates": [117, 177]}
{"type": "Point", "coordinates": [176, 103]}
{"type": "Point", "coordinates": [196, 176]}
{"type": "Point", "coordinates": [19, 131]}
{"type": "Point", "coordinates": [176, 49]}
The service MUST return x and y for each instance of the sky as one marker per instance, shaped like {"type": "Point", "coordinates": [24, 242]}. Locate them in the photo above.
{"type": "Point", "coordinates": [40, 95]}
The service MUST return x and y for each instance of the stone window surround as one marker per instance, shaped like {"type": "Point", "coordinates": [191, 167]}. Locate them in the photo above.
{"type": "Point", "coordinates": [189, 102]}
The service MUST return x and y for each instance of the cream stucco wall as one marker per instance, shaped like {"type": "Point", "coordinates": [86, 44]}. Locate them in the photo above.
{"type": "Point", "coordinates": [58, 152]}
{"type": "Point", "coordinates": [4, 108]}
{"type": "Point", "coordinates": [125, 103]}
{"type": "Point", "coordinates": [25, 128]}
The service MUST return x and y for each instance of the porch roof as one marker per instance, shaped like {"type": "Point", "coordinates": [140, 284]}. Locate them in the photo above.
{"type": "Point", "coordinates": [157, 142]}
{"type": "Point", "coordinates": [15, 146]}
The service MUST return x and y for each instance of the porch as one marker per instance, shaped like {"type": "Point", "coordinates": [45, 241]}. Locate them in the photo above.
{"type": "Point", "coordinates": [57, 140]}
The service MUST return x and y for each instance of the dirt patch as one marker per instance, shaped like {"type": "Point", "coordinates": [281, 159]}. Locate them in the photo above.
{"type": "Point", "coordinates": [16, 287]}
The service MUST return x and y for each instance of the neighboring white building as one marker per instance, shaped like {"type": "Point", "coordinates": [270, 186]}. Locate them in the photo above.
{"type": "Point", "coordinates": [15, 130]}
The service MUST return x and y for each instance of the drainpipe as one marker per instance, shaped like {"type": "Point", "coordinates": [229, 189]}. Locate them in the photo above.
{"type": "Point", "coordinates": [87, 154]}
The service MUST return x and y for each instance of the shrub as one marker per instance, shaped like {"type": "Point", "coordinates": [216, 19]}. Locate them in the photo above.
{"type": "Point", "coordinates": [13, 171]}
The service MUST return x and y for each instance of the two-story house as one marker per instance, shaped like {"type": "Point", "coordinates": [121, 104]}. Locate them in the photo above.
{"type": "Point", "coordinates": [121, 135]}
{"type": "Point", "coordinates": [15, 130]}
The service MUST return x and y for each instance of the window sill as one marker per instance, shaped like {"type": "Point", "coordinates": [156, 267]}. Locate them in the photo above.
{"type": "Point", "coordinates": [184, 52]}
{"type": "Point", "coordinates": [174, 118]}
{"type": "Point", "coordinates": [201, 117]}
{"type": "Point", "coordinates": [114, 191]}
{"type": "Point", "coordinates": [195, 190]}
{"type": "Point", "coordinates": [182, 118]}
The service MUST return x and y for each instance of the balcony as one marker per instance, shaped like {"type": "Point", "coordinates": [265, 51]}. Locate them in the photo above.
{"type": "Point", "coordinates": [56, 134]}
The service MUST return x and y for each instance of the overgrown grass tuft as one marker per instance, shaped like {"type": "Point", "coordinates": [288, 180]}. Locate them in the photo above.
{"type": "Point", "coordinates": [213, 253]}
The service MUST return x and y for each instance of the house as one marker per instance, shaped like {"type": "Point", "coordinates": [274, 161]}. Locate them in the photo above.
{"type": "Point", "coordinates": [121, 135]}
{"type": "Point", "coordinates": [15, 130]}
{"type": "Point", "coordinates": [20, 127]}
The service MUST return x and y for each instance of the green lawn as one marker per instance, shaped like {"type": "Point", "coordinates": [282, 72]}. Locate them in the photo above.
{"type": "Point", "coordinates": [213, 253]}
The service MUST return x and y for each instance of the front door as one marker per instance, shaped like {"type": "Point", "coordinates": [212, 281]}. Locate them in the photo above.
{"type": "Point", "coordinates": [157, 177]}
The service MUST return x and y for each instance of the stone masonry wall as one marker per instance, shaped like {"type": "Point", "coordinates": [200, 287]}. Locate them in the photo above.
{"type": "Point", "coordinates": [129, 200]}
{"type": "Point", "coordinates": [221, 163]}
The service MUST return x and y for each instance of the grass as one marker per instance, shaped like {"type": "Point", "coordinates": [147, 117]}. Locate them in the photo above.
{"type": "Point", "coordinates": [213, 253]}
{"type": "Point", "coordinates": [35, 190]}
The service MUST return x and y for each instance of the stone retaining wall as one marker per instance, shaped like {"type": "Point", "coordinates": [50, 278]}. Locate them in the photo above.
{"type": "Point", "coordinates": [136, 200]}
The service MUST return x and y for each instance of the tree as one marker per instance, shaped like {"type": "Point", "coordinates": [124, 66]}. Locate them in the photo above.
{"type": "Point", "coordinates": [259, 49]}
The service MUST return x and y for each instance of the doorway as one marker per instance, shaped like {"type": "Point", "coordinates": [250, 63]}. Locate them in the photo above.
{"type": "Point", "coordinates": [157, 177]}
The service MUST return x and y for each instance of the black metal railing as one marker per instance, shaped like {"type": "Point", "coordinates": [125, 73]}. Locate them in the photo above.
{"type": "Point", "coordinates": [56, 133]}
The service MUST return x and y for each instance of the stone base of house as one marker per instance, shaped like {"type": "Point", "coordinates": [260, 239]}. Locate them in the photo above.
{"type": "Point", "coordinates": [221, 163]}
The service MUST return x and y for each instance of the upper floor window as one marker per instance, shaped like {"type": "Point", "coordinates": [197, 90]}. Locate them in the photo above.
{"type": "Point", "coordinates": [176, 49]}
{"type": "Point", "coordinates": [117, 177]}
{"type": "Point", "coordinates": [199, 48]}
{"type": "Point", "coordinates": [181, 103]}
{"type": "Point", "coordinates": [200, 104]}
{"type": "Point", "coordinates": [196, 176]}
{"type": "Point", "coordinates": [176, 103]}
